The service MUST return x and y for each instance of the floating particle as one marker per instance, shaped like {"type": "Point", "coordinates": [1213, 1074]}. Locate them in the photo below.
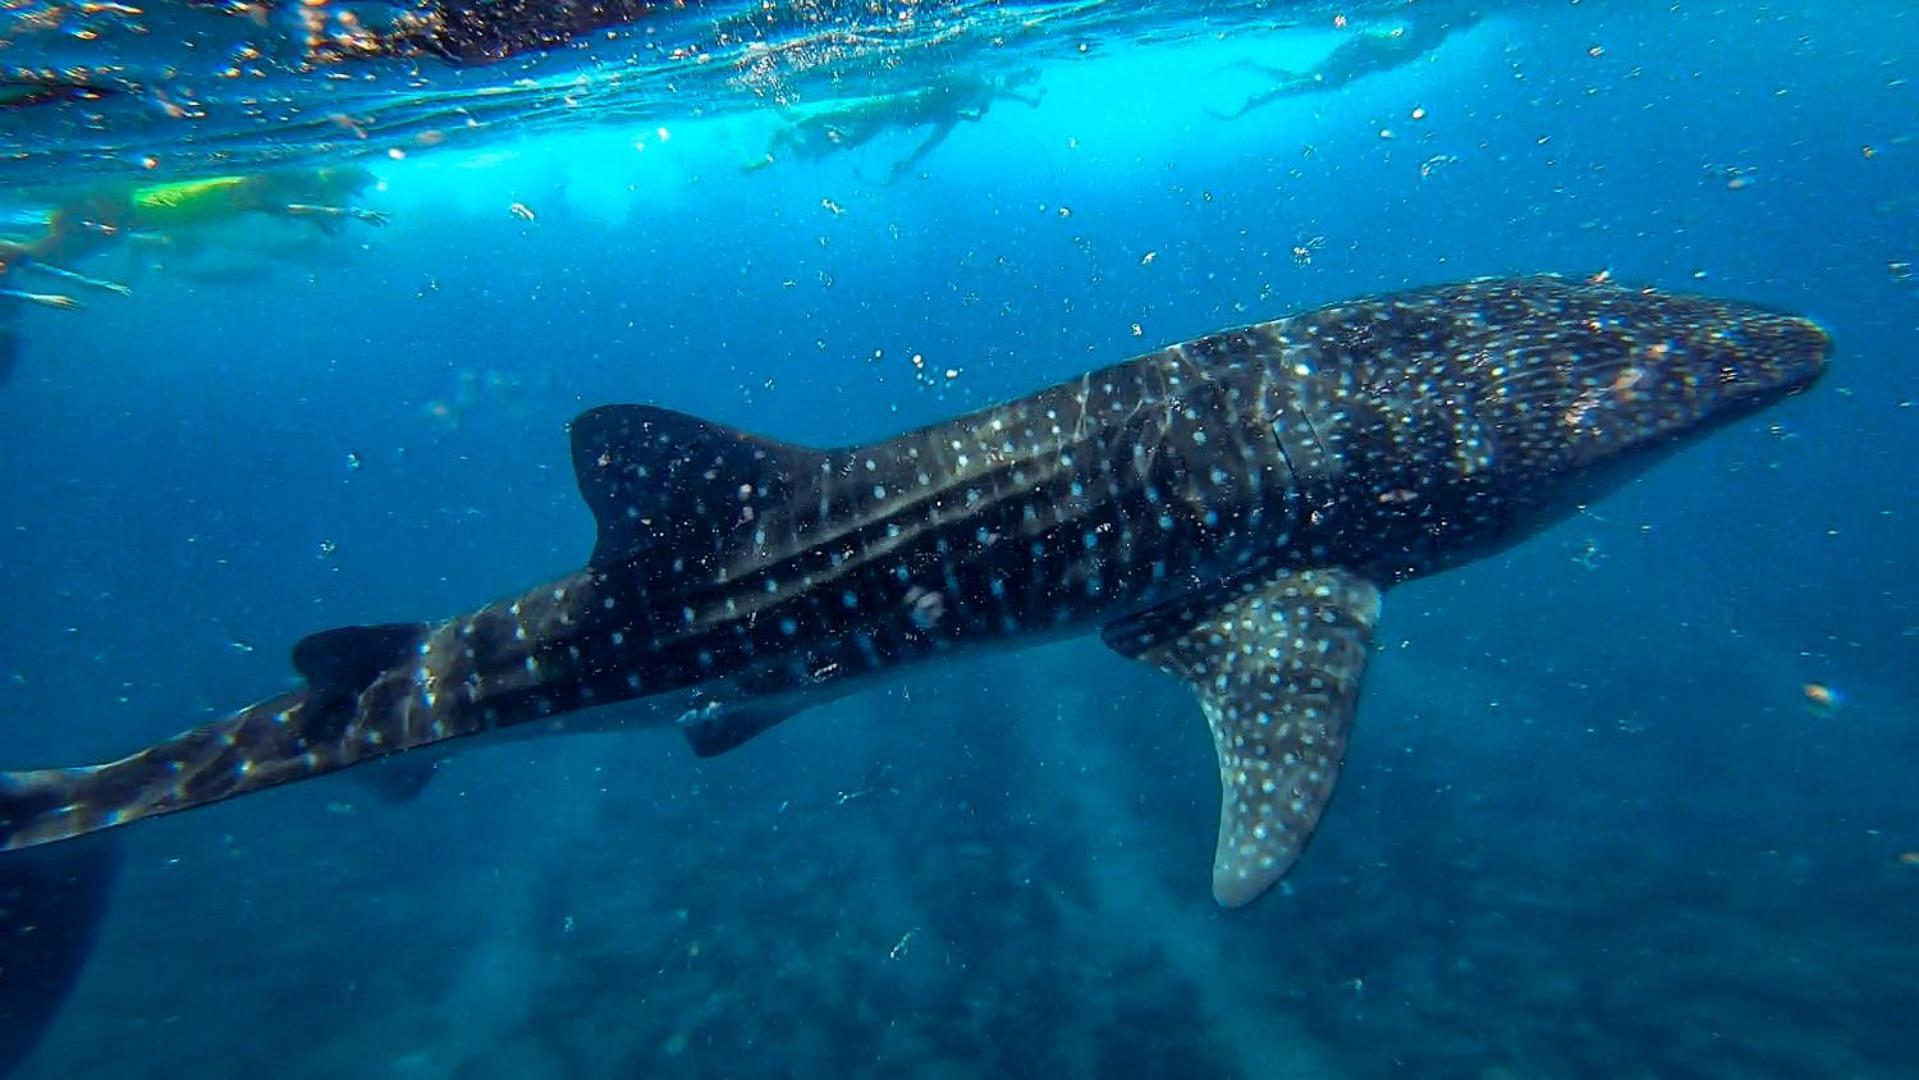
{"type": "Point", "coordinates": [1822, 700]}
{"type": "Point", "coordinates": [1909, 858]}
{"type": "Point", "coordinates": [522, 211]}
{"type": "Point", "coordinates": [1596, 51]}
{"type": "Point", "coordinates": [1065, 211]}
{"type": "Point", "coordinates": [1149, 258]}
{"type": "Point", "coordinates": [899, 948]}
{"type": "Point", "coordinates": [354, 463]}
{"type": "Point", "coordinates": [1138, 330]}
{"type": "Point", "coordinates": [348, 123]}
{"type": "Point", "coordinates": [832, 207]}
{"type": "Point", "coordinates": [1419, 112]}
{"type": "Point", "coordinates": [1868, 152]}
{"type": "Point", "coordinates": [1590, 555]}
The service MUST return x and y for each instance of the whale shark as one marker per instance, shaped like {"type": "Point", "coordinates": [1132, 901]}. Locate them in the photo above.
{"type": "Point", "coordinates": [1227, 510]}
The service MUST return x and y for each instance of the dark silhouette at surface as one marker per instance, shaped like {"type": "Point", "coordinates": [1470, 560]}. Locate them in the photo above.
{"type": "Point", "coordinates": [1367, 52]}
{"type": "Point", "coordinates": [952, 98]}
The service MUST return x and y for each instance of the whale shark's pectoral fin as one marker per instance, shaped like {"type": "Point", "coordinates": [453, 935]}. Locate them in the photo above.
{"type": "Point", "coordinates": [1277, 671]}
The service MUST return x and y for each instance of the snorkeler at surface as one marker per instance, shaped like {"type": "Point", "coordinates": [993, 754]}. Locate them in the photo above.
{"type": "Point", "coordinates": [951, 98]}
{"type": "Point", "coordinates": [324, 196]}
{"type": "Point", "coordinates": [166, 213]}
{"type": "Point", "coordinates": [170, 212]}
{"type": "Point", "coordinates": [1368, 52]}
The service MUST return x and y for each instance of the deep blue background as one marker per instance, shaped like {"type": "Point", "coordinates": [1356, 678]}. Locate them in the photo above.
{"type": "Point", "coordinates": [1586, 823]}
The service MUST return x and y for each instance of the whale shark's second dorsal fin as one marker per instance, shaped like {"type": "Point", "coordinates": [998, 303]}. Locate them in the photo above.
{"type": "Point", "coordinates": [342, 662]}
{"type": "Point", "coordinates": [1277, 671]}
{"type": "Point", "coordinates": [665, 483]}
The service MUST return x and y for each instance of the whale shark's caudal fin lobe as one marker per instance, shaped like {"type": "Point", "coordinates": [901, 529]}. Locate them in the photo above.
{"type": "Point", "coordinates": [676, 489]}
{"type": "Point", "coordinates": [52, 902]}
{"type": "Point", "coordinates": [1277, 671]}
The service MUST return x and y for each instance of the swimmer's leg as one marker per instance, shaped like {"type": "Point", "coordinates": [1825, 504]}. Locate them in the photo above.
{"type": "Point", "coordinates": [52, 300]}
{"type": "Point", "coordinates": [328, 217]}
{"type": "Point", "coordinates": [926, 146]}
{"type": "Point", "coordinates": [81, 279]}
{"type": "Point", "coordinates": [1286, 83]}
{"type": "Point", "coordinates": [1260, 100]}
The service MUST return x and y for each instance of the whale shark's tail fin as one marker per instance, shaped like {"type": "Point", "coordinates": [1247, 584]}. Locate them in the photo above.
{"type": "Point", "coordinates": [52, 903]}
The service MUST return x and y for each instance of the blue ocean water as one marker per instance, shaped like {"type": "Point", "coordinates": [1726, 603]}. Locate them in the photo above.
{"type": "Point", "coordinates": [1588, 824]}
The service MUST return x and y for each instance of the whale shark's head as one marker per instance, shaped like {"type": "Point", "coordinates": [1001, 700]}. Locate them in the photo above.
{"type": "Point", "coordinates": [1477, 412]}
{"type": "Point", "coordinates": [1625, 371]}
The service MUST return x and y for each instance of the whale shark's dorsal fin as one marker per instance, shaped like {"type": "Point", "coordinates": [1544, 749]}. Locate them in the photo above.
{"type": "Point", "coordinates": [665, 483]}
{"type": "Point", "coordinates": [342, 662]}
{"type": "Point", "coordinates": [1277, 671]}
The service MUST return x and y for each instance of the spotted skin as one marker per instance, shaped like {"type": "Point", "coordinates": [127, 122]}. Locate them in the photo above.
{"type": "Point", "coordinates": [1226, 509]}
{"type": "Point", "coordinates": [1277, 673]}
